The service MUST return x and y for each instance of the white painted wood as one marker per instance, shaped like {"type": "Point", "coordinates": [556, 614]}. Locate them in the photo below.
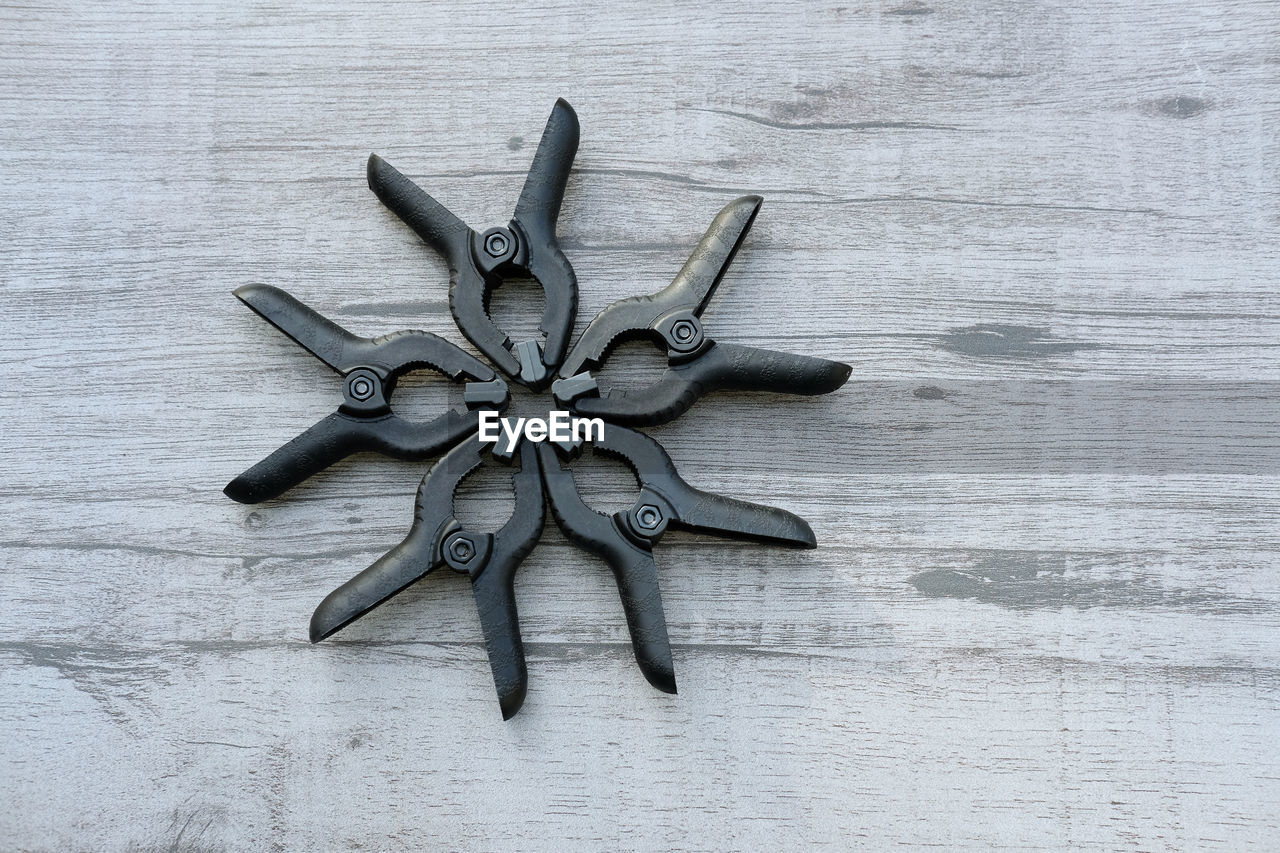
{"type": "Point", "coordinates": [1044, 611]}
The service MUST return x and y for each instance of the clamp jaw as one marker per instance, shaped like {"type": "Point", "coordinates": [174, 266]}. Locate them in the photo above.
{"type": "Point", "coordinates": [697, 365]}
{"type": "Point", "coordinates": [478, 261]}
{"type": "Point", "coordinates": [625, 539]}
{"type": "Point", "coordinates": [364, 420]}
{"type": "Point", "coordinates": [437, 539]}
{"type": "Point", "coordinates": [527, 247]}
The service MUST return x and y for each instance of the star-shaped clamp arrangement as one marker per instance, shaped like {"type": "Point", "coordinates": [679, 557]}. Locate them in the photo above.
{"type": "Point", "coordinates": [479, 261]}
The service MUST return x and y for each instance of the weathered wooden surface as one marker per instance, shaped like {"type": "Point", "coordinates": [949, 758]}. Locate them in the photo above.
{"type": "Point", "coordinates": [1044, 614]}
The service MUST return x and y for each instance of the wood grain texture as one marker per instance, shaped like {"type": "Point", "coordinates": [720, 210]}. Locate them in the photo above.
{"type": "Point", "coordinates": [1044, 611]}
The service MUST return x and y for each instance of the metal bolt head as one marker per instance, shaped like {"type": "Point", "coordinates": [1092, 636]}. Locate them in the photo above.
{"type": "Point", "coordinates": [462, 549]}
{"type": "Point", "coordinates": [496, 244]}
{"type": "Point", "coordinates": [683, 335]}
{"type": "Point", "coordinates": [648, 517]}
{"type": "Point", "coordinates": [361, 388]}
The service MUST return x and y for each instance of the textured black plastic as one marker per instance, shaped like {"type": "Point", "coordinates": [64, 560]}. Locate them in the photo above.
{"type": "Point", "coordinates": [537, 255]}
{"type": "Point", "coordinates": [689, 291]}
{"type": "Point", "coordinates": [451, 237]}
{"type": "Point", "coordinates": [537, 213]}
{"type": "Point", "coordinates": [338, 436]}
{"type": "Point", "coordinates": [719, 367]}
{"type": "Point", "coordinates": [434, 222]}
{"type": "Point", "coordinates": [697, 365]}
{"type": "Point", "coordinates": [356, 426]}
{"type": "Point", "coordinates": [394, 571]}
{"type": "Point", "coordinates": [628, 549]}
{"type": "Point", "coordinates": [696, 510]}
{"type": "Point", "coordinates": [305, 326]}
{"type": "Point", "coordinates": [493, 585]}
{"type": "Point", "coordinates": [632, 565]}
{"type": "Point", "coordinates": [413, 558]}
{"type": "Point", "coordinates": [479, 261]}
{"type": "Point", "coordinates": [492, 566]}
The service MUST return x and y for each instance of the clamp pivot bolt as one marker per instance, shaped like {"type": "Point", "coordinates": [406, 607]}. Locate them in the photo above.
{"type": "Point", "coordinates": [361, 388]}
{"type": "Point", "coordinates": [496, 244]}
{"type": "Point", "coordinates": [459, 550]}
{"type": "Point", "coordinates": [683, 335]}
{"type": "Point", "coordinates": [648, 517]}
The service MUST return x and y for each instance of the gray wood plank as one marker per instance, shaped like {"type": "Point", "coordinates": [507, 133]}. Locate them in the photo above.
{"type": "Point", "coordinates": [1044, 610]}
